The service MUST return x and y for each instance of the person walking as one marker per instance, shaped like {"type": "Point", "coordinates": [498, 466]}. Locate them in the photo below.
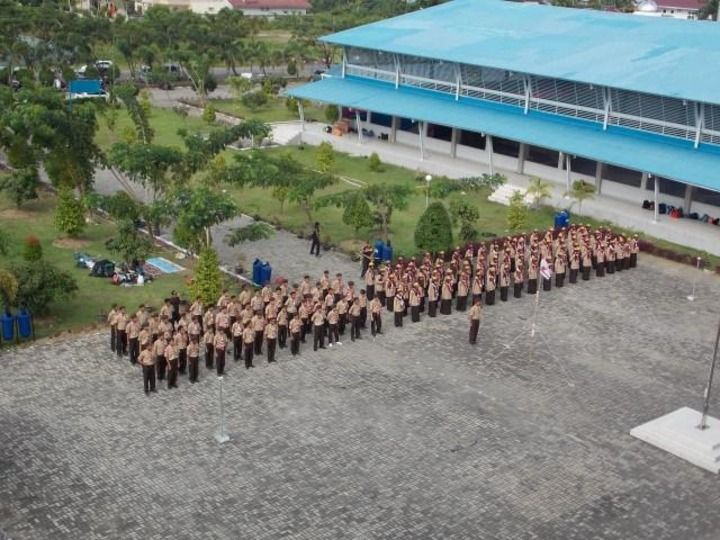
{"type": "Point", "coordinates": [474, 316]}
{"type": "Point", "coordinates": [315, 240]}
{"type": "Point", "coordinates": [376, 308]}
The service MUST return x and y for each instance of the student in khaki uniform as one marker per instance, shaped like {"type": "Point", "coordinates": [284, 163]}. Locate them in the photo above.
{"type": "Point", "coordinates": [574, 265]}
{"type": "Point", "coordinates": [376, 308]}
{"type": "Point", "coordinates": [122, 320]}
{"type": "Point", "coordinates": [380, 286]}
{"type": "Point", "coordinates": [586, 263]}
{"type": "Point", "coordinates": [463, 289]}
{"type": "Point", "coordinates": [133, 332]}
{"type": "Point", "coordinates": [477, 287]}
{"type": "Point", "coordinates": [248, 344]}
{"type": "Point", "coordinates": [504, 281]}
{"type": "Point", "coordinates": [474, 316]}
{"type": "Point", "coordinates": [258, 324]}
{"type": "Point", "coordinates": [220, 345]}
{"type": "Point", "coordinates": [237, 332]}
{"type": "Point", "coordinates": [433, 295]}
{"type": "Point", "coordinates": [147, 361]}
{"type": "Point", "coordinates": [446, 296]}
{"type": "Point", "coordinates": [194, 329]}
{"type": "Point", "coordinates": [490, 287]}
{"type": "Point", "coordinates": [171, 355]}
{"type": "Point", "coordinates": [181, 343]}
{"type": "Point", "coordinates": [600, 260]}
{"type": "Point", "coordinates": [355, 320]}
{"type": "Point", "coordinates": [533, 269]}
{"type": "Point", "coordinates": [390, 290]}
{"type": "Point", "coordinates": [634, 250]}
{"type": "Point", "coordinates": [363, 301]}
{"type": "Point", "coordinates": [209, 340]}
{"type": "Point", "coordinates": [518, 280]}
{"type": "Point", "coordinates": [399, 308]}
{"type": "Point", "coordinates": [160, 361]}
{"type": "Point", "coordinates": [370, 281]}
{"type": "Point", "coordinates": [282, 322]}
{"type": "Point", "coordinates": [333, 319]}
{"type": "Point", "coordinates": [295, 328]}
{"type": "Point", "coordinates": [414, 301]}
{"type": "Point", "coordinates": [271, 332]}
{"type": "Point", "coordinates": [112, 321]}
{"type": "Point", "coordinates": [318, 323]}
{"type": "Point", "coordinates": [193, 352]}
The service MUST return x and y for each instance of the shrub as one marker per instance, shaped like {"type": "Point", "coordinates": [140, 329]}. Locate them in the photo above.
{"type": "Point", "coordinates": [208, 114]}
{"type": "Point", "coordinates": [41, 284]}
{"type": "Point", "coordinates": [325, 157]}
{"type": "Point", "coordinates": [331, 114]}
{"type": "Point", "coordinates": [434, 229]}
{"type": "Point", "coordinates": [374, 163]}
{"type": "Point", "coordinates": [69, 214]}
{"type": "Point", "coordinates": [254, 100]}
{"type": "Point", "coordinates": [517, 215]}
{"type": "Point", "coordinates": [129, 243]}
{"type": "Point", "coordinates": [33, 249]}
{"type": "Point", "coordinates": [207, 281]}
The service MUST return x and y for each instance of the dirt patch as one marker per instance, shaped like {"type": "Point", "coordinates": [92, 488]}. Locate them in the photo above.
{"type": "Point", "coordinates": [16, 213]}
{"type": "Point", "coordinates": [70, 243]}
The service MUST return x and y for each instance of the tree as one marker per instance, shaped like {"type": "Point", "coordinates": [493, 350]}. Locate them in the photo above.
{"type": "Point", "coordinates": [69, 214]}
{"type": "Point", "coordinates": [539, 190]}
{"type": "Point", "coordinates": [331, 113]}
{"type": "Point", "coordinates": [208, 114]}
{"type": "Point", "coordinates": [239, 85]}
{"type": "Point", "coordinates": [325, 157]}
{"type": "Point", "coordinates": [121, 206]}
{"type": "Point", "coordinates": [129, 244]}
{"type": "Point", "coordinates": [21, 185]}
{"type": "Point", "coordinates": [249, 233]}
{"type": "Point", "coordinates": [254, 100]}
{"type": "Point", "coordinates": [581, 191]}
{"type": "Point", "coordinates": [41, 284]}
{"type": "Point", "coordinates": [150, 165]}
{"type": "Point", "coordinates": [434, 229]}
{"type": "Point", "coordinates": [517, 215]}
{"type": "Point", "coordinates": [32, 250]}
{"type": "Point", "coordinates": [197, 212]}
{"type": "Point", "coordinates": [374, 163]}
{"type": "Point", "coordinates": [8, 288]}
{"type": "Point", "coordinates": [4, 242]}
{"type": "Point", "coordinates": [357, 212]}
{"type": "Point", "coordinates": [207, 280]}
{"type": "Point", "coordinates": [467, 215]}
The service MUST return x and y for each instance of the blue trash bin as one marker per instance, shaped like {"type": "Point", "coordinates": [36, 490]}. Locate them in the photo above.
{"type": "Point", "coordinates": [388, 253]}
{"type": "Point", "coordinates": [379, 251]}
{"type": "Point", "coordinates": [24, 320]}
{"type": "Point", "coordinates": [7, 321]}
{"type": "Point", "coordinates": [266, 273]}
{"type": "Point", "coordinates": [562, 219]}
{"type": "Point", "coordinates": [257, 271]}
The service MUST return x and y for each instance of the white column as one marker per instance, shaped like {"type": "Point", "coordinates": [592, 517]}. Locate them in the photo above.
{"type": "Point", "coordinates": [561, 160]}
{"type": "Point", "coordinates": [522, 153]}
{"type": "Point", "coordinates": [657, 196]}
{"type": "Point", "coordinates": [489, 150]}
{"type": "Point", "coordinates": [393, 129]}
{"type": "Point", "coordinates": [567, 171]}
{"type": "Point", "coordinates": [687, 203]}
{"type": "Point", "coordinates": [599, 169]}
{"type": "Point", "coordinates": [643, 182]}
{"type": "Point", "coordinates": [453, 142]}
{"type": "Point", "coordinates": [421, 137]}
{"type": "Point", "coordinates": [358, 125]}
{"type": "Point", "coordinates": [301, 112]}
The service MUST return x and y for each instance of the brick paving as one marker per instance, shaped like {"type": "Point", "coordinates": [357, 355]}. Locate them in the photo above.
{"type": "Point", "coordinates": [415, 435]}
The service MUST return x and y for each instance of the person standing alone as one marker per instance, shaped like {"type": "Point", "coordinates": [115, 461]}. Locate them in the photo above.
{"type": "Point", "coordinates": [315, 238]}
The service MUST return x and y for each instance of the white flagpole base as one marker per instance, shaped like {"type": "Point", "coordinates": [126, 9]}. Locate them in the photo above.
{"type": "Point", "coordinates": [678, 433]}
{"type": "Point", "coordinates": [221, 437]}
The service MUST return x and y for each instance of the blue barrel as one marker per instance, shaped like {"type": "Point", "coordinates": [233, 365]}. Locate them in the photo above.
{"type": "Point", "coordinates": [388, 253]}
{"type": "Point", "coordinates": [7, 321]}
{"type": "Point", "coordinates": [257, 271]}
{"type": "Point", "coordinates": [266, 273]}
{"type": "Point", "coordinates": [379, 251]}
{"type": "Point", "coordinates": [24, 320]}
{"type": "Point", "coordinates": [562, 219]}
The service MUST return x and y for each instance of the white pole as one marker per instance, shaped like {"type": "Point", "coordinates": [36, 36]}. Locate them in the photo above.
{"type": "Point", "coordinates": [692, 294]}
{"type": "Point", "coordinates": [706, 402]}
{"type": "Point", "coordinates": [535, 308]}
{"type": "Point", "coordinates": [359, 126]}
{"type": "Point", "coordinates": [301, 112]}
{"type": "Point", "coordinates": [221, 436]}
{"type": "Point", "coordinates": [490, 151]}
{"type": "Point", "coordinates": [567, 171]}
{"type": "Point", "coordinates": [421, 129]}
{"type": "Point", "coordinates": [428, 179]}
{"type": "Point", "coordinates": [656, 185]}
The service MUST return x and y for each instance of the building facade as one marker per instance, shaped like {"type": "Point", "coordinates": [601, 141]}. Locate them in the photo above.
{"type": "Point", "coordinates": [625, 101]}
{"type": "Point", "coordinates": [271, 8]}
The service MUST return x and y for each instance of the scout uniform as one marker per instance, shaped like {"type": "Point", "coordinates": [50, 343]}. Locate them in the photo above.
{"type": "Point", "coordinates": [463, 289]}
{"type": "Point", "coordinates": [112, 321]}
{"type": "Point", "coordinates": [446, 296]}
{"type": "Point", "coordinates": [398, 309]}
{"type": "Point", "coordinates": [376, 316]}
{"type": "Point", "coordinates": [600, 260]}
{"type": "Point", "coordinates": [390, 290]}
{"type": "Point", "coordinates": [248, 345]}
{"type": "Point", "coordinates": [363, 302]}
{"type": "Point", "coordinates": [332, 319]}
{"type": "Point", "coordinates": [147, 361]}
{"type": "Point", "coordinates": [490, 287]}
{"type": "Point", "coordinates": [380, 286]}
{"type": "Point", "coordinates": [610, 259]}
{"type": "Point", "coordinates": [318, 321]}
{"type": "Point", "coordinates": [295, 328]}
{"type": "Point", "coordinates": [586, 260]}
{"type": "Point", "coordinates": [209, 339]}
{"type": "Point", "coordinates": [171, 355]}
{"type": "Point", "coordinates": [160, 362]}
{"type": "Point", "coordinates": [341, 307]}
{"type": "Point", "coordinates": [370, 281]}
{"type": "Point", "coordinates": [282, 322]}
{"type": "Point", "coordinates": [634, 250]}
{"type": "Point", "coordinates": [193, 352]}
{"type": "Point", "coordinates": [532, 275]}
{"type": "Point", "coordinates": [237, 332]}
{"type": "Point", "coordinates": [518, 279]}
{"type": "Point", "coordinates": [433, 295]}
{"type": "Point", "coordinates": [133, 332]}
{"type": "Point", "coordinates": [181, 343]}
{"type": "Point", "coordinates": [504, 281]}
{"type": "Point", "coordinates": [574, 265]}
{"type": "Point", "coordinates": [220, 344]}
{"type": "Point", "coordinates": [271, 331]}
{"type": "Point", "coordinates": [474, 316]}
{"type": "Point", "coordinates": [258, 324]}
{"type": "Point", "coordinates": [414, 301]}
{"type": "Point", "coordinates": [121, 345]}
{"type": "Point", "coordinates": [355, 320]}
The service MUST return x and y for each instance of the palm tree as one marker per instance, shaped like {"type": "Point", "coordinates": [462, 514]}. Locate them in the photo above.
{"type": "Point", "coordinates": [580, 191]}
{"type": "Point", "coordinates": [539, 190]}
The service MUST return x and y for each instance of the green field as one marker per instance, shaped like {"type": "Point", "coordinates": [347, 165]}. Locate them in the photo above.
{"type": "Point", "coordinates": [94, 295]}
{"type": "Point", "coordinates": [274, 111]}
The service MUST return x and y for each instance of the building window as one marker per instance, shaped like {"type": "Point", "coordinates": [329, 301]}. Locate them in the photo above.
{"type": "Point", "coordinates": [349, 114]}
{"type": "Point", "coordinates": [543, 156]}
{"type": "Point", "coordinates": [472, 139]}
{"type": "Point", "coordinates": [622, 175]}
{"type": "Point", "coordinates": [583, 166]}
{"type": "Point", "coordinates": [406, 124]}
{"type": "Point", "coordinates": [436, 131]}
{"type": "Point", "coordinates": [506, 147]}
{"type": "Point", "coordinates": [381, 119]}
{"type": "Point", "coordinates": [706, 196]}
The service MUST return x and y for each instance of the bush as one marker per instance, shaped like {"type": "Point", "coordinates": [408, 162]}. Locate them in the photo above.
{"type": "Point", "coordinates": [69, 214]}
{"type": "Point", "coordinates": [325, 157]}
{"type": "Point", "coordinates": [434, 229]}
{"type": "Point", "coordinates": [357, 213]}
{"type": "Point", "coordinates": [4, 242]}
{"type": "Point", "coordinates": [21, 185]}
{"type": "Point", "coordinates": [129, 243]}
{"type": "Point", "coordinates": [207, 281]}
{"type": "Point", "coordinates": [331, 114]}
{"type": "Point", "coordinates": [517, 215]}
{"type": "Point", "coordinates": [39, 284]}
{"type": "Point", "coordinates": [33, 249]}
{"type": "Point", "coordinates": [122, 206]}
{"type": "Point", "coordinates": [8, 288]}
{"type": "Point", "coordinates": [254, 100]}
{"type": "Point", "coordinates": [208, 114]}
{"type": "Point", "coordinates": [374, 163]}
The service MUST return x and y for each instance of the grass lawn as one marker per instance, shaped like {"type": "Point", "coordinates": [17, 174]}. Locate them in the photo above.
{"type": "Point", "coordinates": [165, 122]}
{"type": "Point", "coordinates": [94, 295]}
{"type": "Point", "coordinates": [492, 220]}
{"type": "Point", "coordinates": [274, 111]}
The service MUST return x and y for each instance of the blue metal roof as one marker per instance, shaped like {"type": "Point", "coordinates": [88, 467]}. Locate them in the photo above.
{"type": "Point", "coordinates": [655, 154]}
{"type": "Point", "coordinates": [657, 55]}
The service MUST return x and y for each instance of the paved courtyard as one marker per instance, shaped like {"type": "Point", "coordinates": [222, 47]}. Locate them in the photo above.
{"type": "Point", "coordinates": [416, 435]}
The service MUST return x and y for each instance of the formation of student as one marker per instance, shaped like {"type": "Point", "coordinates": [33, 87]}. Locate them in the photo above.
{"type": "Point", "coordinates": [171, 341]}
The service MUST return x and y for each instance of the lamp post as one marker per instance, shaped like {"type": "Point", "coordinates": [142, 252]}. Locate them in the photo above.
{"type": "Point", "coordinates": [692, 294]}
{"type": "Point", "coordinates": [221, 436]}
{"type": "Point", "coordinates": [428, 179]}
{"type": "Point", "coordinates": [706, 402]}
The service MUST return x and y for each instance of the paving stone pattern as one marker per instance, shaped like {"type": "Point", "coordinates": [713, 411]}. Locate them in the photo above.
{"type": "Point", "coordinates": [415, 435]}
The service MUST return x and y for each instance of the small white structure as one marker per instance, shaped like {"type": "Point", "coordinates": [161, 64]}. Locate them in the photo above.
{"type": "Point", "coordinates": [271, 8]}
{"type": "Point", "coordinates": [676, 9]}
{"type": "Point", "coordinates": [196, 6]}
{"type": "Point", "coordinates": [679, 434]}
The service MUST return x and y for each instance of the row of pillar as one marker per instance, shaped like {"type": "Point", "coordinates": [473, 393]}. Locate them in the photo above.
{"type": "Point", "coordinates": [563, 159]}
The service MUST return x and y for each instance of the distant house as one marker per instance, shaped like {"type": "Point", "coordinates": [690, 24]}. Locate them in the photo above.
{"type": "Point", "coordinates": [271, 8]}
{"type": "Point", "coordinates": [676, 9]}
{"type": "Point", "coordinates": [196, 6]}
